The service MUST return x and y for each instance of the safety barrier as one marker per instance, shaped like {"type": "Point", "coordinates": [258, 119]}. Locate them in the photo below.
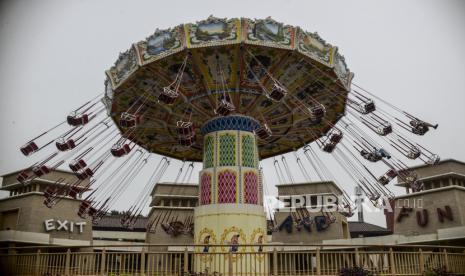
{"type": "Point", "coordinates": [243, 260]}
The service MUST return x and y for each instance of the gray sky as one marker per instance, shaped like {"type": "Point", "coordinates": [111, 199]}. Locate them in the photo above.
{"type": "Point", "coordinates": [53, 55]}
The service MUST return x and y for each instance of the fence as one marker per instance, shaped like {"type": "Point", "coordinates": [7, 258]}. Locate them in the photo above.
{"type": "Point", "coordinates": [247, 260]}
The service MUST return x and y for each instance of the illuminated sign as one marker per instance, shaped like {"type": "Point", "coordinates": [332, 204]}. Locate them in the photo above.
{"type": "Point", "coordinates": [64, 225]}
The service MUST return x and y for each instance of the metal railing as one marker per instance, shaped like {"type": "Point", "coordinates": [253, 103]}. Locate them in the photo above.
{"type": "Point", "coordinates": [219, 260]}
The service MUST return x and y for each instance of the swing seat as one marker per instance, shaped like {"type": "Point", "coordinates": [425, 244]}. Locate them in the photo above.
{"type": "Point", "coordinates": [433, 160]}
{"type": "Point", "coordinates": [225, 108]}
{"type": "Point", "coordinates": [73, 192]}
{"type": "Point", "coordinates": [50, 191]}
{"type": "Point", "coordinates": [391, 173]}
{"type": "Point", "coordinates": [81, 213]}
{"type": "Point", "coordinates": [367, 107]}
{"type": "Point", "coordinates": [317, 112]}
{"type": "Point", "coordinates": [335, 137]}
{"type": "Point", "coordinates": [384, 130]}
{"type": "Point", "coordinates": [383, 180]}
{"type": "Point", "coordinates": [263, 132]}
{"type": "Point", "coordinates": [49, 203]}
{"type": "Point", "coordinates": [83, 209]}
{"type": "Point", "coordinates": [185, 128]}
{"type": "Point", "coordinates": [119, 151]}
{"type": "Point", "coordinates": [387, 177]}
{"type": "Point", "coordinates": [328, 147]}
{"type": "Point", "coordinates": [374, 197]}
{"type": "Point", "coordinates": [129, 120]}
{"type": "Point", "coordinates": [84, 205]}
{"type": "Point", "coordinates": [22, 177]}
{"type": "Point", "coordinates": [186, 141]}
{"type": "Point", "coordinates": [413, 154]}
{"type": "Point", "coordinates": [92, 211]}
{"type": "Point", "coordinates": [40, 170]}
{"type": "Point", "coordinates": [168, 96]}
{"type": "Point", "coordinates": [87, 173]}
{"type": "Point", "coordinates": [77, 165]}
{"type": "Point", "coordinates": [420, 130]}
{"type": "Point", "coordinates": [77, 120]}
{"type": "Point", "coordinates": [277, 92]}
{"type": "Point", "coordinates": [29, 148]}
{"type": "Point", "coordinates": [64, 145]}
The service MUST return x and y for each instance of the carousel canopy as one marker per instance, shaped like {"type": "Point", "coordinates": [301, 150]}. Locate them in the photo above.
{"type": "Point", "coordinates": [249, 63]}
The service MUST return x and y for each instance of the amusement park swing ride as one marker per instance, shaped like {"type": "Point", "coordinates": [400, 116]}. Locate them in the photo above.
{"type": "Point", "coordinates": [228, 93]}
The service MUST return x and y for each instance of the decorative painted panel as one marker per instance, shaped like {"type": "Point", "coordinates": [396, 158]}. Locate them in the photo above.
{"type": "Point", "coordinates": [227, 186]}
{"type": "Point", "coordinates": [269, 32]}
{"type": "Point", "coordinates": [205, 188]}
{"type": "Point", "coordinates": [123, 68]}
{"type": "Point", "coordinates": [248, 151]}
{"type": "Point", "coordinates": [227, 150]}
{"type": "Point", "coordinates": [160, 44]}
{"type": "Point", "coordinates": [250, 184]}
{"type": "Point", "coordinates": [213, 31]}
{"type": "Point", "coordinates": [312, 45]}
{"type": "Point", "coordinates": [208, 153]}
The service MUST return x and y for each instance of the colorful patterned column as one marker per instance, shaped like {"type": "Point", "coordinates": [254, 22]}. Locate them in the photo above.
{"type": "Point", "coordinates": [230, 207]}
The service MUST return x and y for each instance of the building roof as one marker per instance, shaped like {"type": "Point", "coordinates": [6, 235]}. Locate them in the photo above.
{"type": "Point", "coordinates": [444, 168]}
{"type": "Point", "coordinates": [20, 170]}
{"type": "Point", "coordinates": [112, 223]}
{"type": "Point", "coordinates": [365, 227]}
{"type": "Point", "coordinates": [449, 160]}
{"type": "Point", "coordinates": [330, 184]}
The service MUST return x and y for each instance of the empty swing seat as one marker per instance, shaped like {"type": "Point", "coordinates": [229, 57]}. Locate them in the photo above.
{"type": "Point", "coordinates": [384, 130]}
{"type": "Point", "coordinates": [277, 92]}
{"type": "Point", "coordinates": [434, 159]}
{"type": "Point", "coordinates": [414, 154]}
{"type": "Point", "coordinates": [225, 108]}
{"type": "Point", "coordinates": [22, 177]}
{"type": "Point", "coordinates": [77, 120]}
{"type": "Point", "coordinates": [92, 211]}
{"type": "Point", "coordinates": [168, 96]}
{"type": "Point", "coordinates": [335, 137]}
{"type": "Point", "coordinates": [64, 145]}
{"type": "Point", "coordinates": [374, 197]}
{"type": "Point", "coordinates": [317, 112]}
{"type": "Point", "coordinates": [73, 192]}
{"type": "Point", "coordinates": [185, 128]}
{"type": "Point", "coordinates": [263, 132]}
{"type": "Point", "coordinates": [83, 207]}
{"type": "Point", "coordinates": [49, 203]}
{"type": "Point", "coordinates": [29, 148]}
{"type": "Point", "coordinates": [119, 151]}
{"type": "Point", "coordinates": [186, 140]}
{"type": "Point", "coordinates": [50, 191]}
{"type": "Point", "coordinates": [129, 120]}
{"type": "Point", "coordinates": [328, 147]}
{"type": "Point", "coordinates": [81, 213]}
{"type": "Point", "coordinates": [367, 107]}
{"type": "Point", "coordinates": [87, 173]}
{"type": "Point", "coordinates": [420, 130]}
{"type": "Point", "coordinates": [77, 165]}
{"type": "Point", "coordinates": [40, 170]}
{"type": "Point", "coordinates": [387, 177]}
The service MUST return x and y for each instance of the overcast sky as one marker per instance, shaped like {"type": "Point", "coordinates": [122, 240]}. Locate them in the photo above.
{"type": "Point", "coordinates": [53, 55]}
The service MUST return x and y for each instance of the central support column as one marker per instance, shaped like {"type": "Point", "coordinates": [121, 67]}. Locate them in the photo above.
{"type": "Point", "coordinates": [230, 210]}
